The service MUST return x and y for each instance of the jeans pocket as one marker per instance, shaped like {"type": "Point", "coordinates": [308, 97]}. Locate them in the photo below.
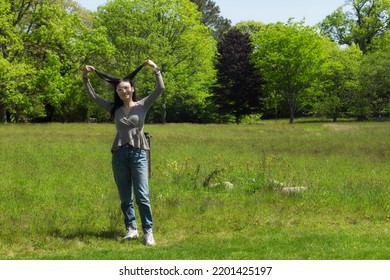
{"type": "Point", "coordinates": [117, 157]}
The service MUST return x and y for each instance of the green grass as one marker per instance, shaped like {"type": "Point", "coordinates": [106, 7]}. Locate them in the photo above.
{"type": "Point", "coordinates": [58, 199]}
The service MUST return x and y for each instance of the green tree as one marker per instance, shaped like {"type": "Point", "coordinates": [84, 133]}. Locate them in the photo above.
{"type": "Point", "coordinates": [13, 70]}
{"type": "Point", "coordinates": [172, 34]}
{"type": "Point", "coordinates": [289, 57]}
{"type": "Point", "coordinates": [251, 26]}
{"type": "Point", "coordinates": [339, 81]}
{"type": "Point", "coordinates": [363, 21]}
{"type": "Point", "coordinates": [55, 42]}
{"type": "Point", "coordinates": [374, 98]}
{"type": "Point", "coordinates": [45, 47]}
{"type": "Point", "coordinates": [238, 88]}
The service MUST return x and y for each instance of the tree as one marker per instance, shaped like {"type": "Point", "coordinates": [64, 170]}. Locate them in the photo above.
{"type": "Point", "coordinates": [375, 81]}
{"type": "Point", "coordinates": [172, 34]}
{"type": "Point", "coordinates": [13, 70]}
{"type": "Point", "coordinates": [43, 75]}
{"type": "Point", "coordinates": [289, 58]}
{"type": "Point", "coordinates": [211, 17]}
{"type": "Point", "coordinates": [237, 91]}
{"type": "Point", "coordinates": [339, 81]}
{"type": "Point", "coordinates": [56, 43]}
{"type": "Point", "coordinates": [364, 21]}
{"type": "Point", "coordinates": [250, 27]}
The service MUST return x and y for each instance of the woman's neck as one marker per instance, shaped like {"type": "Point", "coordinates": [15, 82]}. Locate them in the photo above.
{"type": "Point", "coordinates": [128, 104]}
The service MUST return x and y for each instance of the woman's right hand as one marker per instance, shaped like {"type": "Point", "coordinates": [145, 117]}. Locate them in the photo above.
{"type": "Point", "coordinates": [88, 69]}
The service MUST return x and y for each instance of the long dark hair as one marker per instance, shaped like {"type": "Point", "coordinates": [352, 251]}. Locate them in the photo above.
{"type": "Point", "coordinates": [115, 81]}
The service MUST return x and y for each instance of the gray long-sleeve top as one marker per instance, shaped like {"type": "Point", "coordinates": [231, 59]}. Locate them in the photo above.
{"type": "Point", "coordinates": [130, 127]}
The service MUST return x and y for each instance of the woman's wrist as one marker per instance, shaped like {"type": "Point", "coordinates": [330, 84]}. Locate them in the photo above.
{"type": "Point", "coordinates": [156, 70]}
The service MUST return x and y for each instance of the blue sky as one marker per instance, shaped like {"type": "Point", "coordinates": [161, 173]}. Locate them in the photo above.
{"type": "Point", "coordinates": [267, 11]}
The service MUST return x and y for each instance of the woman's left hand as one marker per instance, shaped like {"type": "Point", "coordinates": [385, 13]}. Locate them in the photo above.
{"type": "Point", "coordinates": [150, 63]}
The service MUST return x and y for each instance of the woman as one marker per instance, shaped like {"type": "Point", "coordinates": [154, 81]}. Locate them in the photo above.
{"type": "Point", "coordinates": [129, 161]}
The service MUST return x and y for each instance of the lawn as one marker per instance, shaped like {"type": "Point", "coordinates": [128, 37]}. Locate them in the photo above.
{"type": "Point", "coordinates": [217, 192]}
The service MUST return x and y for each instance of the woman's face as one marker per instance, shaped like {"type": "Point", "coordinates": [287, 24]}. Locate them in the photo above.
{"type": "Point", "coordinates": [124, 90]}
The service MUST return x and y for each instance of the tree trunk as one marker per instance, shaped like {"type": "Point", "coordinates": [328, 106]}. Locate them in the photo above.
{"type": "Point", "coordinates": [3, 113]}
{"type": "Point", "coordinates": [291, 116]}
{"type": "Point", "coordinates": [291, 103]}
{"type": "Point", "coordinates": [238, 117]}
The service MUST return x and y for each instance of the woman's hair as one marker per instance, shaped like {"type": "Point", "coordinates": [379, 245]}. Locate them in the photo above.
{"type": "Point", "coordinates": [115, 81]}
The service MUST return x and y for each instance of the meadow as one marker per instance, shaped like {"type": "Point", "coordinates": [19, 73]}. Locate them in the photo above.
{"type": "Point", "coordinates": [217, 192]}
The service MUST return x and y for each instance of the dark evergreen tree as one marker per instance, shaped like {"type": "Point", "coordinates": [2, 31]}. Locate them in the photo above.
{"type": "Point", "coordinates": [238, 88]}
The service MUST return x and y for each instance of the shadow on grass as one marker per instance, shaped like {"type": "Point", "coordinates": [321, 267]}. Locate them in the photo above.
{"type": "Point", "coordinates": [86, 234]}
{"type": "Point", "coordinates": [340, 120]}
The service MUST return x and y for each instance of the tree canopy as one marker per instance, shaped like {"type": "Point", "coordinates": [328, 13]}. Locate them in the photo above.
{"type": "Point", "coordinates": [360, 23]}
{"type": "Point", "coordinates": [213, 72]}
{"type": "Point", "coordinates": [211, 17]}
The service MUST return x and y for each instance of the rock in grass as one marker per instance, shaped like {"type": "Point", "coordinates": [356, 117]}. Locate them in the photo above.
{"type": "Point", "coordinates": [228, 185]}
{"type": "Point", "coordinates": [288, 190]}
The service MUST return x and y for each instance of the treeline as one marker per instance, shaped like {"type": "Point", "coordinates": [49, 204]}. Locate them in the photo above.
{"type": "Point", "coordinates": [214, 72]}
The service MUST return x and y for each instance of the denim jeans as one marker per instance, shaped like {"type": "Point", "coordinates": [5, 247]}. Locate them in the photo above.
{"type": "Point", "coordinates": [130, 168]}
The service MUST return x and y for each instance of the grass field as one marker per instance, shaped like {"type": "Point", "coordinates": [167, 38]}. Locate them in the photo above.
{"type": "Point", "coordinates": [58, 199]}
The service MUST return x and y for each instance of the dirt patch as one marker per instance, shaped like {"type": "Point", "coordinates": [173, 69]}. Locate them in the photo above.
{"type": "Point", "coordinates": [336, 127]}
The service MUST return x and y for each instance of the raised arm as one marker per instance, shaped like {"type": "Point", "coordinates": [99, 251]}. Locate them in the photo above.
{"type": "Point", "coordinates": [101, 102]}
{"type": "Point", "coordinates": [151, 98]}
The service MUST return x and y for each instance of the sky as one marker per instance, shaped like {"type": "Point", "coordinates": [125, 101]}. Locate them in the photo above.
{"type": "Point", "coordinates": [266, 11]}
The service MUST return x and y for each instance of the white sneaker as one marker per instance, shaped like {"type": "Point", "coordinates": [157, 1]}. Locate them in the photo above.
{"type": "Point", "coordinates": [132, 233]}
{"type": "Point", "coordinates": [148, 239]}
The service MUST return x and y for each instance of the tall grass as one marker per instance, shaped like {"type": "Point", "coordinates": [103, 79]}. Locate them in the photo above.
{"type": "Point", "coordinates": [216, 192]}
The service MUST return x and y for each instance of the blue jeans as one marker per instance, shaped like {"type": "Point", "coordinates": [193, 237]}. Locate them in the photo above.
{"type": "Point", "coordinates": [130, 168]}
